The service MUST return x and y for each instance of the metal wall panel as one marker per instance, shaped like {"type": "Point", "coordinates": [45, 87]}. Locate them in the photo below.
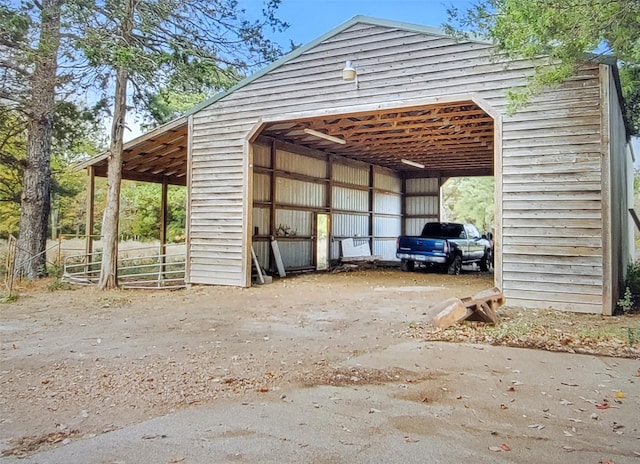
{"type": "Point", "coordinates": [335, 250]}
{"type": "Point", "coordinates": [414, 226]}
{"type": "Point", "coordinates": [297, 192]}
{"type": "Point", "coordinates": [261, 187]}
{"type": "Point", "coordinates": [349, 225]}
{"type": "Point", "coordinates": [387, 203]}
{"type": "Point", "coordinates": [263, 250]}
{"type": "Point", "coordinates": [300, 164]}
{"type": "Point", "coordinates": [385, 249]}
{"type": "Point", "coordinates": [429, 185]}
{"type": "Point", "coordinates": [387, 226]}
{"type": "Point", "coordinates": [350, 174]}
{"type": "Point", "coordinates": [296, 253]}
{"type": "Point", "coordinates": [261, 220]}
{"type": "Point", "coordinates": [347, 199]}
{"type": "Point", "coordinates": [261, 155]}
{"type": "Point", "coordinates": [298, 222]}
{"type": "Point", "coordinates": [422, 206]}
{"type": "Point", "coordinates": [387, 180]}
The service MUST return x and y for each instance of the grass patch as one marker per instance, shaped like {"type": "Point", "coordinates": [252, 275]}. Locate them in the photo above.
{"type": "Point", "coordinates": [57, 284]}
{"type": "Point", "coordinates": [9, 297]}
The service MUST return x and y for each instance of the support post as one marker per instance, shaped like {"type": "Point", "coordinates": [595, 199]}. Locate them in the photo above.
{"type": "Point", "coordinates": [164, 214]}
{"type": "Point", "coordinates": [89, 224]}
{"type": "Point", "coordinates": [372, 207]}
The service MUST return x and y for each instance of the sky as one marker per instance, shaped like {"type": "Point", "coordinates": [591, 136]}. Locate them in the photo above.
{"type": "Point", "coordinates": [309, 19]}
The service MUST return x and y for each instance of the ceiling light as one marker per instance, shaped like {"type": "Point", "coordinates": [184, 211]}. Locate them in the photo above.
{"type": "Point", "coordinates": [328, 137]}
{"type": "Point", "coordinates": [412, 163]}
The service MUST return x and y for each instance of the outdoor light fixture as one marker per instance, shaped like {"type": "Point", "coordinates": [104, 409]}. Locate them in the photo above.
{"type": "Point", "coordinates": [349, 73]}
{"type": "Point", "coordinates": [328, 137]}
{"type": "Point", "coordinates": [412, 163]}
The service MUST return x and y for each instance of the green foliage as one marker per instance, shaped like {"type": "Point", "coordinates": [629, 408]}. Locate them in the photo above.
{"type": "Point", "coordinates": [563, 30]}
{"type": "Point", "coordinates": [9, 297]}
{"type": "Point", "coordinates": [177, 51]}
{"type": "Point", "coordinates": [57, 284]}
{"type": "Point", "coordinates": [470, 199]}
{"type": "Point", "coordinates": [627, 301]}
{"type": "Point", "coordinates": [140, 212]}
{"type": "Point", "coordinates": [633, 336]}
{"type": "Point", "coordinates": [632, 288]}
{"type": "Point", "coordinates": [77, 134]}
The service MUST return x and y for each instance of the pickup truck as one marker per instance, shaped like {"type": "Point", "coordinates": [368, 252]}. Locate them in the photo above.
{"type": "Point", "coordinates": [445, 244]}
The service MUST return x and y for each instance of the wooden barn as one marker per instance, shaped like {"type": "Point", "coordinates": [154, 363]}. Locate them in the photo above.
{"type": "Point", "coordinates": [351, 137]}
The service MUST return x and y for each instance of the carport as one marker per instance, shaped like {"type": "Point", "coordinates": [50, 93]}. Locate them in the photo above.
{"type": "Point", "coordinates": [367, 176]}
{"type": "Point", "coordinates": [295, 151]}
{"type": "Point", "coordinates": [159, 156]}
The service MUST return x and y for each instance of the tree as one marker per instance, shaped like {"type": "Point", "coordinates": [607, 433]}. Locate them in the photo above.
{"type": "Point", "coordinates": [147, 43]}
{"type": "Point", "coordinates": [470, 199]}
{"type": "Point", "coordinates": [75, 135]}
{"type": "Point", "coordinates": [565, 31]}
{"type": "Point", "coordinates": [29, 85]}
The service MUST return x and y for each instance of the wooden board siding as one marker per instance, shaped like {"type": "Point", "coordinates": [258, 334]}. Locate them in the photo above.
{"type": "Point", "coordinates": [552, 219]}
{"type": "Point", "coordinates": [550, 193]}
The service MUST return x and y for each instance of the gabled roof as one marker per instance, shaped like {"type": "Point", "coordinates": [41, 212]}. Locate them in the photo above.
{"type": "Point", "coordinates": [309, 46]}
{"type": "Point", "coordinates": [161, 154]}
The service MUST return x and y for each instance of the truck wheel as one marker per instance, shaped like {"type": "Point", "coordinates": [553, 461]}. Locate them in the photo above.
{"type": "Point", "coordinates": [407, 265]}
{"type": "Point", "coordinates": [455, 265]}
{"type": "Point", "coordinates": [485, 262]}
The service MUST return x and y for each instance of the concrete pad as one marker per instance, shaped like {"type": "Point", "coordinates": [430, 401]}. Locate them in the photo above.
{"type": "Point", "coordinates": [451, 404]}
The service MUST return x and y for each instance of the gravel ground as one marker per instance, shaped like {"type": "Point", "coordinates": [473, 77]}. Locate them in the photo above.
{"type": "Point", "coordinates": [80, 363]}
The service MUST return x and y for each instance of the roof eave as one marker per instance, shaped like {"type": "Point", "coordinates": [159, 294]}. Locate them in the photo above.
{"type": "Point", "coordinates": [133, 142]}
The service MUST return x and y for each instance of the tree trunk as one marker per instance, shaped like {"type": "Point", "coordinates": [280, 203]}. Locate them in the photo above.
{"type": "Point", "coordinates": [109, 268]}
{"type": "Point", "coordinates": [31, 258]}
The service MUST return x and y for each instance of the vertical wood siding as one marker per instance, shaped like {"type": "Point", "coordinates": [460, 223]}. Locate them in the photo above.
{"type": "Point", "coordinates": [551, 193]}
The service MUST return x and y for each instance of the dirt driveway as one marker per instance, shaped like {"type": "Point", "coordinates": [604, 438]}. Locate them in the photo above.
{"type": "Point", "coordinates": [81, 363]}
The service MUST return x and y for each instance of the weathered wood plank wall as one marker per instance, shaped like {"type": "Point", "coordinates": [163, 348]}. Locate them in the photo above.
{"type": "Point", "coordinates": [550, 195]}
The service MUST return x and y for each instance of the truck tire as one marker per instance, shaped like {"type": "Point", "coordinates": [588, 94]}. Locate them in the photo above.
{"type": "Point", "coordinates": [407, 265]}
{"type": "Point", "coordinates": [455, 265]}
{"type": "Point", "coordinates": [485, 262]}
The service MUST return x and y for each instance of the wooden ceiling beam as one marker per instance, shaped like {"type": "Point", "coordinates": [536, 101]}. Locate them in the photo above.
{"type": "Point", "coordinates": [165, 156]}
{"type": "Point", "coordinates": [153, 145]}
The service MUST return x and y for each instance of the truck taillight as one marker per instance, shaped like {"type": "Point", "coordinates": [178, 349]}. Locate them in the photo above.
{"type": "Point", "coordinates": [445, 247]}
{"type": "Point", "coordinates": [398, 243]}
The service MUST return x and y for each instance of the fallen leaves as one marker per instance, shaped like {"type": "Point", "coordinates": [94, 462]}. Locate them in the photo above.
{"type": "Point", "coordinates": [547, 330]}
{"type": "Point", "coordinates": [28, 444]}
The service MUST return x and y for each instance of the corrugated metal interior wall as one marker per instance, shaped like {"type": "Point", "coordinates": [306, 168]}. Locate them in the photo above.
{"type": "Point", "coordinates": [290, 188]}
{"type": "Point", "coordinates": [422, 204]}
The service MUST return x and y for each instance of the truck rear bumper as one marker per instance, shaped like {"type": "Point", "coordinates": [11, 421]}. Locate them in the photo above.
{"type": "Point", "coordinates": [423, 258]}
